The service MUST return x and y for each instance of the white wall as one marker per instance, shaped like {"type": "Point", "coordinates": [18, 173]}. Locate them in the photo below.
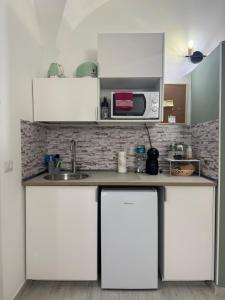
{"type": "Point", "coordinates": [20, 60]}
{"type": "Point", "coordinates": [30, 39]}
{"type": "Point", "coordinates": [202, 20]}
{"type": "Point", "coordinates": [2, 69]}
{"type": "Point", "coordinates": [2, 96]}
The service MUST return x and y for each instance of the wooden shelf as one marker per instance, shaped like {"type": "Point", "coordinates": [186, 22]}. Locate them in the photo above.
{"type": "Point", "coordinates": [132, 121]}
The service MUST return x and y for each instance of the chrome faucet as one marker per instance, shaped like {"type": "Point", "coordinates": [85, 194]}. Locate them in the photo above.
{"type": "Point", "coordinates": [73, 155]}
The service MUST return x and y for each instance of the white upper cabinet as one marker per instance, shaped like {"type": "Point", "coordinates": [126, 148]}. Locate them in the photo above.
{"type": "Point", "coordinates": [130, 55]}
{"type": "Point", "coordinates": [65, 99]}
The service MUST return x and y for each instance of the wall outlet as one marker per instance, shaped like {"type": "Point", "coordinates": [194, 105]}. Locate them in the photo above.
{"type": "Point", "coordinates": [8, 166]}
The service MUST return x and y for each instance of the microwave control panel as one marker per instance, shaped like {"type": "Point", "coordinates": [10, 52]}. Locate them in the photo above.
{"type": "Point", "coordinates": [155, 105]}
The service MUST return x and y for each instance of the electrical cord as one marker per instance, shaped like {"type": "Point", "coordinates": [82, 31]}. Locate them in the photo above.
{"type": "Point", "coordinates": [149, 137]}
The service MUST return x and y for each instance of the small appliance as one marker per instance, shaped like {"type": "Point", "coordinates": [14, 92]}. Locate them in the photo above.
{"type": "Point", "coordinates": [135, 105]}
{"type": "Point", "coordinates": [129, 238]}
{"type": "Point", "coordinates": [152, 165]}
{"type": "Point", "coordinates": [86, 69]}
{"type": "Point", "coordinates": [56, 70]}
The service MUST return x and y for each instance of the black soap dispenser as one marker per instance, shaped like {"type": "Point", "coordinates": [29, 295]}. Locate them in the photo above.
{"type": "Point", "coordinates": [152, 165]}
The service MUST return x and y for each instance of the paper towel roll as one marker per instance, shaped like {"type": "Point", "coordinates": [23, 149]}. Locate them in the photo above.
{"type": "Point", "coordinates": [122, 163]}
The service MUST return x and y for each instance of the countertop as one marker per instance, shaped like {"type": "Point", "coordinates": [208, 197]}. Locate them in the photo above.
{"type": "Point", "coordinates": [112, 178]}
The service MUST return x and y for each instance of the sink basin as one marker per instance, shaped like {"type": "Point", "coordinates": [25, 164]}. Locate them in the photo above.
{"type": "Point", "coordinates": [66, 176]}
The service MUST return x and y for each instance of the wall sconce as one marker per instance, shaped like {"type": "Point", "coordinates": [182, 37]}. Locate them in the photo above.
{"type": "Point", "coordinates": [195, 56]}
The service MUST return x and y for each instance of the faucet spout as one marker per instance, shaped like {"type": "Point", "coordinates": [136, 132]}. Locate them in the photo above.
{"type": "Point", "coordinates": [73, 155]}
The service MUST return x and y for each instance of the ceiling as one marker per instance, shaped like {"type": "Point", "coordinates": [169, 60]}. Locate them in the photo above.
{"type": "Point", "coordinates": [69, 28]}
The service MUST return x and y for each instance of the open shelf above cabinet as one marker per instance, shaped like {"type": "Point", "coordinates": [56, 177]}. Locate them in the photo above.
{"type": "Point", "coordinates": [124, 122]}
{"type": "Point", "coordinates": [147, 96]}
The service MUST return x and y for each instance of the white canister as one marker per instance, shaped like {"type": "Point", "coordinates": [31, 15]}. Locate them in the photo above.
{"type": "Point", "coordinates": [189, 152]}
{"type": "Point", "coordinates": [122, 163]}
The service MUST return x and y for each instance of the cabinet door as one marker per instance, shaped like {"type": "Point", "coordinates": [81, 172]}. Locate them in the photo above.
{"type": "Point", "coordinates": [61, 233]}
{"type": "Point", "coordinates": [65, 99]}
{"type": "Point", "coordinates": [130, 55]}
{"type": "Point", "coordinates": [188, 238]}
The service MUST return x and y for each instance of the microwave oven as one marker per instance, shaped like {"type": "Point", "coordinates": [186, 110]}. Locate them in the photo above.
{"type": "Point", "coordinates": [143, 105]}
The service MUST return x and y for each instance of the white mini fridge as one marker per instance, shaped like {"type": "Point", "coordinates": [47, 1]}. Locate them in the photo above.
{"type": "Point", "coordinates": [129, 238]}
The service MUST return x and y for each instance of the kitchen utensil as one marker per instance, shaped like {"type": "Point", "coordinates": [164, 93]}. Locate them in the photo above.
{"type": "Point", "coordinates": [55, 70]}
{"type": "Point", "coordinates": [86, 69]}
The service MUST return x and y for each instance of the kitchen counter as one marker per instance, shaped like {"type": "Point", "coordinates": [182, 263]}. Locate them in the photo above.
{"type": "Point", "coordinates": [112, 178]}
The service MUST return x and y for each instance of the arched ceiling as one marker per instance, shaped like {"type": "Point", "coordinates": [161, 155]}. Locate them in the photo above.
{"type": "Point", "coordinates": [70, 27]}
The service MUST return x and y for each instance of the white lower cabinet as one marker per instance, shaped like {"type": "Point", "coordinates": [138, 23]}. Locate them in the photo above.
{"type": "Point", "coordinates": [61, 233]}
{"type": "Point", "coordinates": [187, 233]}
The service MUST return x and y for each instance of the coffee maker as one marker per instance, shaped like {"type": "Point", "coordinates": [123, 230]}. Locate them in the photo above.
{"type": "Point", "coordinates": [152, 165]}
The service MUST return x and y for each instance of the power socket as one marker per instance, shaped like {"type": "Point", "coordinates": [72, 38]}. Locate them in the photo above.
{"type": "Point", "coordinates": [8, 166]}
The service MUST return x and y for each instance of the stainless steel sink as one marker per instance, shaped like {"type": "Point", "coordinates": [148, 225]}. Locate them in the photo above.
{"type": "Point", "coordinates": [66, 176]}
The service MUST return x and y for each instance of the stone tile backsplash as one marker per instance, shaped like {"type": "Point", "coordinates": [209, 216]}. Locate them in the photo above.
{"type": "Point", "coordinates": [205, 145]}
{"type": "Point", "coordinates": [97, 146]}
{"type": "Point", "coordinates": [33, 148]}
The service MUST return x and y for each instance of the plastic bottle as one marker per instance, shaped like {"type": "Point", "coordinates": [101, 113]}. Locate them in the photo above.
{"type": "Point", "coordinates": [104, 109]}
{"type": "Point", "coordinates": [189, 152]}
{"type": "Point", "coordinates": [140, 159]}
{"type": "Point", "coordinates": [51, 164]}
